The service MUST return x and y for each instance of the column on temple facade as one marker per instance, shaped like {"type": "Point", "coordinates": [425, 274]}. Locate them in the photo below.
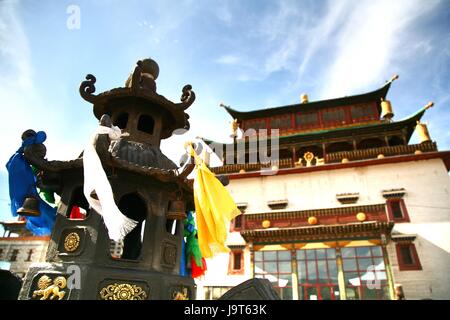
{"type": "Point", "coordinates": [341, 279]}
{"type": "Point", "coordinates": [389, 274]}
{"type": "Point", "coordinates": [252, 259]}
{"type": "Point", "coordinates": [294, 274]}
{"type": "Point", "coordinates": [294, 155]}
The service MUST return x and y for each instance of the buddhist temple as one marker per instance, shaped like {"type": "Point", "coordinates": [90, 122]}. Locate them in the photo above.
{"type": "Point", "coordinates": [349, 210]}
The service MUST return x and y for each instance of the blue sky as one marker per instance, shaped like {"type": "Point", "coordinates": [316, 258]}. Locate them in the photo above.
{"type": "Point", "coordinates": [247, 54]}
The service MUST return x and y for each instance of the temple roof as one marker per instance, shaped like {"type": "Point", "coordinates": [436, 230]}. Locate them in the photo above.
{"type": "Point", "coordinates": [376, 95]}
{"type": "Point", "coordinates": [409, 123]}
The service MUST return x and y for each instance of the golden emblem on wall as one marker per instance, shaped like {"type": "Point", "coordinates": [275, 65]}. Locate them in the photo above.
{"type": "Point", "coordinates": [361, 216]}
{"type": "Point", "coordinates": [123, 291]}
{"type": "Point", "coordinates": [48, 290]}
{"type": "Point", "coordinates": [309, 157]}
{"type": "Point", "coordinates": [71, 242]}
{"type": "Point", "coordinates": [266, 224]}
{"type": "Point", "coordinates": [177, 295]}
{"type": "Point", "coordinates": [312, 220]}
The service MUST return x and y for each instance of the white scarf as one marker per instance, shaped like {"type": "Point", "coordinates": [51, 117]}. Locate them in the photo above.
{"type": "Point", "coordinates": [95, 179]}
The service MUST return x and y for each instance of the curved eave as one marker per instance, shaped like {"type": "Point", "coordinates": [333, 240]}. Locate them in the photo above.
{"type": "Point", "coordinates": [328, 232]}
{"type": "Point", "coordinates": [59, 167]}
{"type": "Point", "coordinates": [408, 123]}
{"type": "Point", "coordinates": [103, 104]}
{"type": "Point", "coordinates": [314, 105]}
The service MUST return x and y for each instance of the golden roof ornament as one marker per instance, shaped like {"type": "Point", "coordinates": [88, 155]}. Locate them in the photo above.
{"type": "Point", "coordinates": [304, 98]}
{"type": "Point", "coordinates": [234, 128]}
{"type": "Point", "coordinates": [429, 105]}
{"type": "Point", "coordinates": [394, 77]}
{"type": "Point", "coordinates": [386, 110]}
{"type": "Point", "coordinates": [309, 157]}
{"type": "Point", "coordinates": [422, 129]}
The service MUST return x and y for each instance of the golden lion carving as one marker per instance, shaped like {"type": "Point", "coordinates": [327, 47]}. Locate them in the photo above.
{"type": "Point", "coordinates": [46, 289]}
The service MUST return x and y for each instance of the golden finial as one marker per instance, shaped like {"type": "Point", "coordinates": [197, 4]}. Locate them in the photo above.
{"type": "Point", "coordinates": [393, 78]}
{"type": "Point", "coordinates": [234, 128]}
{"type": "Point", "coordinates": [429, 105]}
{"type": "Point", "coordinates": [304, 98]}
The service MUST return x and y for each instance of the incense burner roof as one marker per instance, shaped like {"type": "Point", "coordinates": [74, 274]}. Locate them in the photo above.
{"type": "Point", "coordinates": [140, 89]}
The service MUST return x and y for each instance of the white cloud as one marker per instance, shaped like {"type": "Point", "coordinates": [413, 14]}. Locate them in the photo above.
{"type": "Point", "coordinates": [21, 104]}
{"type": "Point", "coordinates": [14, 51]}
{"type": "Point", "coordinates": [15, 76]}
{"type": "Point", "coordinates": [339, 47]}
{"type": "Point", "coordinates": [229, 59]}
{"type": "Point", "coordinates": [367, 43]}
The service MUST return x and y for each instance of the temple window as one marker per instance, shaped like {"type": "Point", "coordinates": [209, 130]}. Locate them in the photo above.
{"type": "Point", "coordinates": [121, 121]}
{"type": "Point", "coordinates": [407, 257]}
{"type": "Point", "coordinates": [146, 124]}
{"type": "Point", "coordinates": [236, 223]}
{"type": "Point", "coordinates": [397, 211]}
{"type": "Point", "coordinates": [236, 262]}
{"type": "Point", "coordinates": [363, 112]}
{"type": "Point", "coordinates": [333, 116]}
{"type": "Point", "coordinates": [30, 254]}
{"type": "Point", "coordinates": [134, 208]}
{"type": "Point", "coordinates": [306, 120]}
{"type": "Point", "coordinates": [14, 255]}
{"type": "Point", "coordinates": [255, 124]}
{"type": "Point", "coordinates": [365, 273]}
{"type": "Point", "coordinates": [276, 267]}
{"type": "Point", "coordinates": [281, 122]}
{"type": "Point", "coordinates": [317, 274]}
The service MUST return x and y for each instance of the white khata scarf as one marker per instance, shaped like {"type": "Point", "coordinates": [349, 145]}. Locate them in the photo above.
{"type": "Point", "coordinates": [95, 179]}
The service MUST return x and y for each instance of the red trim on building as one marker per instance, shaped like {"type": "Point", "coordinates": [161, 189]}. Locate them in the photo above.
{"type": "Point", "coordinates": [409, 248]}
{"type": "Point", "coordinates": [444, 155]}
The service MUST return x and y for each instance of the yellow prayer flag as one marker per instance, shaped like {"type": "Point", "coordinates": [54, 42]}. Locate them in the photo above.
{"type": "Point", "coordinates": [214, 207]}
